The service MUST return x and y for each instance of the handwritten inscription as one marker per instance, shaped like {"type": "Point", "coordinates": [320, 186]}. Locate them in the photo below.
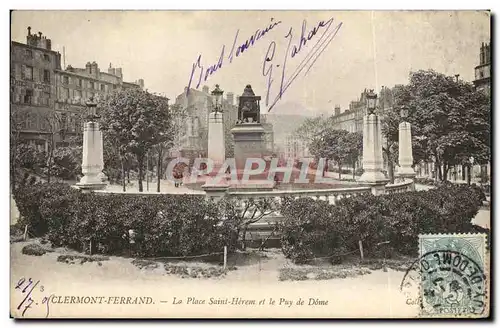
{"type": "Point", "coordinates": [329, 31]}
{"type": "Point", "coordinates": [27, 287]}
{"type": "Point", "coordinates": [202, 73]}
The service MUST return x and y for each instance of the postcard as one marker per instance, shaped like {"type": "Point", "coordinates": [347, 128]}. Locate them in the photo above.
{"type": "Point", "coordinates": [250, 164]}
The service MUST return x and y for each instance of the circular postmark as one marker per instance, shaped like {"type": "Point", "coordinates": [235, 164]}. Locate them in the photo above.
{"type": "Point", "coordinates": [444, 283]}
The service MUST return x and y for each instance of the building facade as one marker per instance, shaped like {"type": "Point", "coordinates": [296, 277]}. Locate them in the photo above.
{"type": "Point", "coordinates": [74, 86]}
{"type": "Point", "coordinates": [296, 148]}
{"type": "Point", "coordinates": [48, 102]}
{"type": "Point", "coordinates": [482, 72]}
{"type": "Point", "coordinates": [33, 88]}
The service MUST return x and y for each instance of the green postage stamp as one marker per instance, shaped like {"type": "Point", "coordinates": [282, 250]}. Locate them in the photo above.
{"type": "Point", "coordinates": [454, 277]}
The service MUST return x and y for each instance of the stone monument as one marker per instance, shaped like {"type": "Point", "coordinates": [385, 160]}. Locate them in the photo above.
{"type": "Point", "coordinates": [248, 141]}
{"type": "Point", "coordinates": [372, 148]}
{"type": "Point", "coordinates": [405, 169]}
{"type": "Point", "coordinates": [92, 161]}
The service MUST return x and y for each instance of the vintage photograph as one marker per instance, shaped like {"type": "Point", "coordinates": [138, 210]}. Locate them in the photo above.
{"type": "Point", "coordinates": [250, 164]}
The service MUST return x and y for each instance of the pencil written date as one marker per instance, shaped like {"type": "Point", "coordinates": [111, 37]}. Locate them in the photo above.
{"type": "Point", "coordinates": [311, 301]}
{"type": "Point", "coordinates": [31, 298]}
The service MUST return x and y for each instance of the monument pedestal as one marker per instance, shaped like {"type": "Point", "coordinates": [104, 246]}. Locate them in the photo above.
{"type": "Point", "coordinates": [92, 161]}
{"type": "Point", "coordinates": [248, 144]}
{"type": "Point", "coordinates": [372, 155]}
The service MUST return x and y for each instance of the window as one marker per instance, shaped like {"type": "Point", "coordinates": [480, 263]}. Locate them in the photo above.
{"type": "Point", "coordinates": [80, 83]}
{"type": "Point", "coordinates": [29, 53]}
{"type": "Point", "coordinates": [46, 75]}
{"type": "Point", "coordinates": [28, 73]}
{"type": "Point", "coordinates": [103, 87]}
{"type": "Point", "coordinates": [46, 58]}
{"type": "Point", "coordinates": [46, 98]}
{"type": "Point", "coordinates": [65, 93]}
{"type": "Point", "coordinates": [91, 84]}
{"type": "Point", "coordinates": [28, 96]}
{"type": "Point", "coordinates": [78, 94]}
{"type": "Point", "coordinates": [65, 79]}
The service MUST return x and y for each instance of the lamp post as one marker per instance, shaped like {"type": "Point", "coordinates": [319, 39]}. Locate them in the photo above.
{"type": "Point", "coordinates": [371, 102]}
{"type": "Point", "coordinates": [373, 161]}
{"type": "Point", "coordinates": [217, 93]}
{"type": "Point", "coordinates": [92, 159]}
{"type": "Point", "coordinates": [92, 110]}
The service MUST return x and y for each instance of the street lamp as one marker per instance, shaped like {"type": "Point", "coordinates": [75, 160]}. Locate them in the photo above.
{"type": "Point", "coordinates": [371, 101]}
{"type": "Point", "coordinates": [217, 93]}
{"type": "Point", "coordinates": [91, 108]}
{"type": "Point", "coordinates": [404, 112]}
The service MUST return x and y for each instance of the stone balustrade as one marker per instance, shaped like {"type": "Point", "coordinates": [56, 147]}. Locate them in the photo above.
{"type": "Point", "coordinates": [403, 186]}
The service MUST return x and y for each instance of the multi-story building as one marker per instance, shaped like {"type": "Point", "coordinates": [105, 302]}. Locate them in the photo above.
{"type": "Point", "coordinates": [33, 88]}
{"type": "Point", "coordinates": [296, 148]}
{"type": "Point", "coordinates": [483, 70]}
{"type": "Point", "coordinates": [49, 102]}
{"type": "Point", "coordinates": [74, 86]}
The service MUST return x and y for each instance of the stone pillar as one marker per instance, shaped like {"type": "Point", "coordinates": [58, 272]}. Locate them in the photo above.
{"type": "Point", "coordinates": [372, 155]}
{"type": "Point", "coordinates": [92, 162]}
{"type": "Point", "coordinates": [405, 169]}
{"type": "Point", "coordinates": [216, 145]}
{"type": "Point", "coordinates": [216, 187]}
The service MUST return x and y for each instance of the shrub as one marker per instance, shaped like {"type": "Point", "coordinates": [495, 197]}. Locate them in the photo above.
{"type": "Point", "coordinates": [166, 225]}
{"type": "Point", "coordinates": [316, 228]}
{"type": "Point", "coordinates": [309, 229]}
{"type": "Point", "coordinates": [31, 200]}
{"type": "Point", "coordinates": [33, 249]}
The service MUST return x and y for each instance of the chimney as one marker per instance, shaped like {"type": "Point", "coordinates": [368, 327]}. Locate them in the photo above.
{"type": "Point", "coordinates": [119, 72]}
{"type": "Point", "coordinates": [230, 98]}
{"type": "Point", "coordinates": [237, 100]}
{"type": "Point", "coordinates": [29, 30]}
{"type": "Point", "coordinates": [337, 110]}
{"type": "Point", "coordinates": [141, 83]}
{"type": "Point", "coordinates": [111, 70]}
{"type": "Point", "coordinates": [206, 89]}
{"type": "Point", "coordinates": [88, 68]}
{"type": "Point", "coordinates": [95, 69]}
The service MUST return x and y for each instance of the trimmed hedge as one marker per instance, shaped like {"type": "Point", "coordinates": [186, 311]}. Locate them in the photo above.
{"type": "Point", "coordinates": [315, 228]}
{"type": "Point", "coordinates": [166, 225]}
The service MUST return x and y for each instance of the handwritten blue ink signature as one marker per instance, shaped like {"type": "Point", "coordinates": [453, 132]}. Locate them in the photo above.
{"type": "Point", "coordinates": [308, 61]}
{"type": "Point", "coordinates": [27, 287]}
{"type": "Point", "coordinates": [204, 74]}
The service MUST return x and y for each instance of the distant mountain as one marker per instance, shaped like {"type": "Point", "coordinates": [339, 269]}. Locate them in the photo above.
{"type": "Point", "coordinates": [291, 108]}
{"type": "Point", "coordinates": [283, 125]}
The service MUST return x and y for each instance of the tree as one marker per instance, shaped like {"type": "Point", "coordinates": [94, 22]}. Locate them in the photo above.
{"type": "Point", "coordinates": [56, 123]}
{"type": "Point", "coordinates": [244, 212]}
{"type": "Point", "coordinates": [354, 149]}
{"type": "Point", "coordinates": [450, 120]}
{"type": "Point", "coordinates": [167, 139]}
{"type": "Point", "coordinates": [16, 123]}
{"type": "Point", "coordinates": [312, 126]}
{"type": "Point", "coordinates": [334, 145]}
{"type": "Point", "coordinates": [134, 119]}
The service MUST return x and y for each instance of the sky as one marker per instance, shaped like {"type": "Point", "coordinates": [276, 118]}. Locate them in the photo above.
{"type": "Point", "coordinates": [370, 49]}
